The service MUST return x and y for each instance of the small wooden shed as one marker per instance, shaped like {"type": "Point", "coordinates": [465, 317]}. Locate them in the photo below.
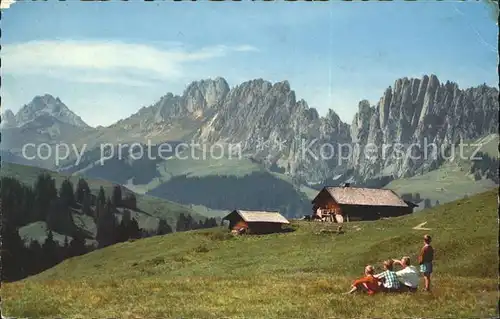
{"type": "Point", "coordinates": [357, 203]}
{"type": "Point", "coordinates": [255, 222]}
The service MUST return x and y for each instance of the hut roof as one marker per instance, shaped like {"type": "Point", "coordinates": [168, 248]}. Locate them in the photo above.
{"type": "Point", "coordinates": [411, 204]}
{"type": "Point", "coordinates": [260, 216]}
{"type": "Point", "coordinates": [365, 196]}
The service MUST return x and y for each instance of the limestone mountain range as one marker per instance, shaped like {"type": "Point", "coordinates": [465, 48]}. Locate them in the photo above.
{"type": "Point", "coordinates": [272, 126]}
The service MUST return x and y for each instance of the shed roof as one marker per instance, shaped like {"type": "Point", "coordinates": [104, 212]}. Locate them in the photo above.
{"type": "Point", "coordinates": [365, 196]}
{"type": "Point", "coordinates": [260, 216]}
{"type": "Point", "coordinates": [411, 204]}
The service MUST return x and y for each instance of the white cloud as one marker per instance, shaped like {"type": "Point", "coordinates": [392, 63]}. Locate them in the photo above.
{"type": "Point", "coordinates": [107, 80]}
{"type": "Point", "coordinates": [5, 4]}
{"type": "Point", "coordinates": [106, 62]}
{"type": "Point", "coordinates": [246, 48]}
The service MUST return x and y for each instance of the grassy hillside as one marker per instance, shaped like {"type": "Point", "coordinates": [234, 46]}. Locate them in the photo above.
{"type": "Point", "coordinates": [255, 191]}
{"type": "Point", "coordinates": [158, 176]}
{"type": "Point", "coordinates": [300, 274]}
{"type": "Point", "coordinates": [152, 208]}
{"type": "Point", "coordinates": [445, 184]}
{"type": "Point", "coordinates": [38, 231]}
{"type": "Point", "coordinates": [214, 171]}
{"type": "Point", "coordinates": [193, 167]}
{"type": "Point", "coordinates": [451, 181]}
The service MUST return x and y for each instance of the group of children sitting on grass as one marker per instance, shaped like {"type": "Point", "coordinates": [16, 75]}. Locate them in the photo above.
{"type": "Point", "coordinates": [404, 280]}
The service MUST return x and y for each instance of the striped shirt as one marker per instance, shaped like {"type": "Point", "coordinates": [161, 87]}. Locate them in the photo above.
{"type": "Point", "coordinates": [391, 279]}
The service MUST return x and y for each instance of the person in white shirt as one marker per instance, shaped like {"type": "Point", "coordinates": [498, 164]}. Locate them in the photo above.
{"type": "Point", "coordinates": [319, 212]}
{"type": "Point", "coordinates": [409, 276]}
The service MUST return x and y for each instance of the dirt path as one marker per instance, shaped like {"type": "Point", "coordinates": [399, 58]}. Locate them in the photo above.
{"type": "Point", "coordinates": [419, 226]}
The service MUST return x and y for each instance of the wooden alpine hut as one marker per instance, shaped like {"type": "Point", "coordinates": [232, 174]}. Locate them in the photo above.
{"type": "Point", "coordinates": [255, 222]}
{"type": "Point", "coordinates": [357, 203]}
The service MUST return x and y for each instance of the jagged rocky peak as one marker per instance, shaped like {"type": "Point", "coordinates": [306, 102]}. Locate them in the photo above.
{"type": "Point", "coordinates": [361, 122]}
{"type": "Point", "coordinates": [334, 119]}
{"type": "Point", "coordinates": [8, 119]}
{"type": "Point", "coordinates": [418, 110]}
{"type": "Point", "coordinates": [282, 85]}
{"type": "Point", "coordinates": [48, 105]}
{"type": "Point", "coordinates": [253, 108]}
{"type": "Point", "coordinates": [311, 114]}
{"type": "Point", "coordinates": [268, 121]}
{"type": "Point", "coordinates": [8, 114]}
{"type": "Point", "coordinates": [198, 98]}
{"type": "Point", "coordinates": [332, 126]}
{"type": "Point", "coordinates": [259, 84]}
{"type": "Point", "coordinates": [413, 106]}
{"type": "Point", "coordinates": [204, 94]}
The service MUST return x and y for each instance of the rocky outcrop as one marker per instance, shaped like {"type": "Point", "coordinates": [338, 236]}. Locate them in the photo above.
{"type": "Point", "coordinates": [8, 120]}
{"type": "Point", "coordinates": [45, 120]}
{"type": "Point", "coordinates": [269, 124]}
{"type": "Point", "coordinates": [199, 98]}
{"type": "Point", "coordinates": [267, 121]}
{"type": "Point", "coordinates": [175, 116]}
{"type": "Point", "coordinates": [47, 105]}
{"type": "Point", "coordinates": [416, 113]}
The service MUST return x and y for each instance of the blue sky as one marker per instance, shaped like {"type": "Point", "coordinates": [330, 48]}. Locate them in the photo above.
{"type": "Point", "coordinates": [105, 60]}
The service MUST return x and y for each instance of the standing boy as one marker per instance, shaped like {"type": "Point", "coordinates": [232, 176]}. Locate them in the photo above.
{"type": "Point", "coordinates": [425, 260]}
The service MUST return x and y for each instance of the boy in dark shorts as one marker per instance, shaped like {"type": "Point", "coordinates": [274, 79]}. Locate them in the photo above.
{"type": "Point", "coordinates": [425, 259]}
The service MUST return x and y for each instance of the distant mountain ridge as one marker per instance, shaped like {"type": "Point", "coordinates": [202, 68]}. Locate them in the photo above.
{"type": "Point", "coordinates": [44, 105]}
{"type": "Point", "coordinates": [414, 111]}
{"type": "Point", "coordinates": [174, 117]}
{"type": "Point", "coordinates": [272, 126]}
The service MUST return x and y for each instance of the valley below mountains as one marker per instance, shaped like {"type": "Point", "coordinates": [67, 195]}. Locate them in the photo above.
{"type": "Point", "coordinates": [271, 127]}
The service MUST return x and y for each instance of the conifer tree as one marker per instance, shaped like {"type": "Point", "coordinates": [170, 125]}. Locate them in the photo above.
{"type": "Point", "coordinates": [64, 250]}
{"type": "Point", "coordinates": [131, 201]}
{"type": "Point", "coordinates": [122, 232]}
{"type": "Point", "coordinates": [163, 228]}
{"type": "Point", "coordinates": [106, 225]}
{"type": "Point", "coordinates": [116, 198]}
{"type": "Point", "coordinates": [181, 223]}
{"type": "Point", "coordinates": [86, 204]}
{"type": "Point", "coordinates": [82, 188]}
{"type": "Point", "coordinates": [66, 242]}
{"type": "Point", "coordinates": [190, 223]}
{"type": "Point", "coordinates": [101, 197]}
{"type": "Point", "coordinates": [28, 205]}
{"type": "Point", "coordinates": [35, 257]}
{"type": "Point", "coordinates": [427, 203]}
{"type": "Point", "coordinates": [66, 193]}
{"type": "Point", "coordinates": [12, 253]}
{"type": "Point", "coordinates": [77, 245]}
{"type": "Point", "coordinates": [134, 232]}
{"type": "Point", "coordinates": [12, 201]}
{"type": "Point", "coordinates": [45, 191]}
{"type": "Point", "coordinates": [59, 218]}
{"type": "Point", "coordinates": [50, 251]}
{"type": "Point", "coordinates": [417, 197]}
{"type": "Point", "coordinates": [126, 216]}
